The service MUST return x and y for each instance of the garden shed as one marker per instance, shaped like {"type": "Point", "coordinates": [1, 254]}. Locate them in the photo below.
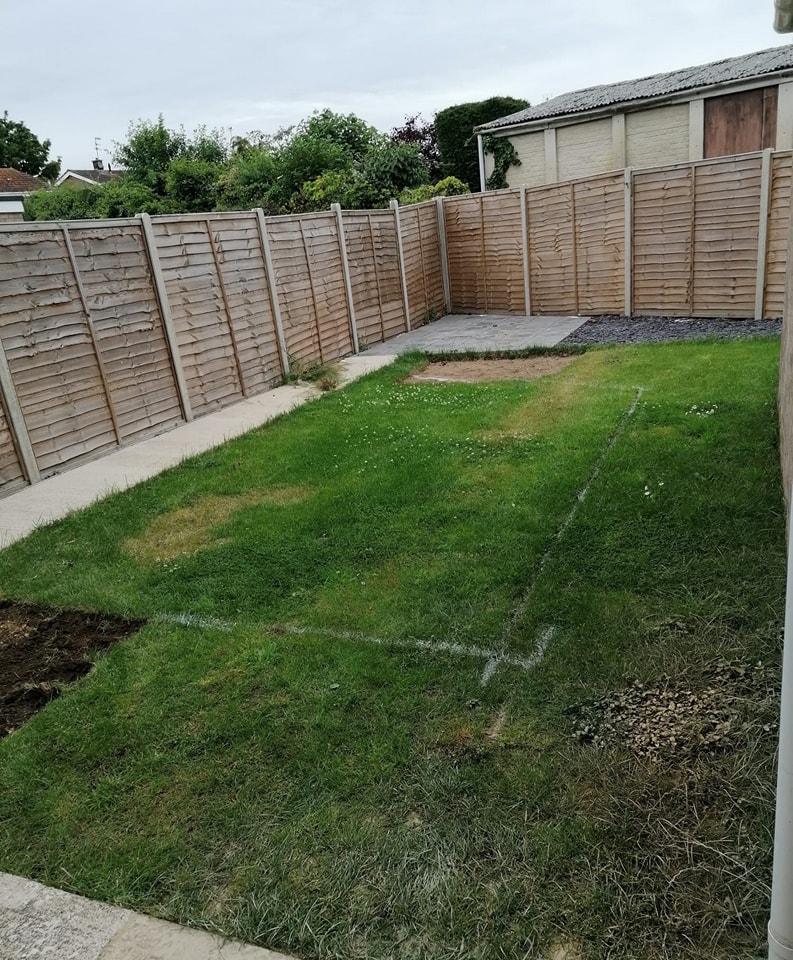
{"type": "Point", "coordinates": [735, 106]}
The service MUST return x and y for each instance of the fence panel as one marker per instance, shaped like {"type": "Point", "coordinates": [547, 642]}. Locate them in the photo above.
{"type": "Point", "coordinates": [116, 278]}
{"type": "Point", "coordinates": [552, 268]}
{"type": "Point", "coordinates": [310, 283]}
{"type": "Point", "coordinates": [600, 244]}
{"type": "Point", "coordinates": [373, 258]}
{"type": "Point", "coordinates": [203, 332]}
{"type": "Point", "coordinates": [465, 251]}
{"type": "Point", "coordinates": [422, 252]}
{"type": "Point", "coordinates": [243, 273]}
{"type": "Point", "coordinates": [485, 253]}
{"type": "Point", "coordinates": [663, 228]}
{"type": "Point", "coordinates": [503, 250]}
{"type": "Point", "coordinates": [778, 222]}
{"type": "Point", "coordinates": [50, 350]}
{"type": "Point", "coordinates": [726, 231]}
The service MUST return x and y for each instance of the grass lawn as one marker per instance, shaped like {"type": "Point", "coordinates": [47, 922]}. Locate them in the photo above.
{"type": "Point", "coordinates": [299, 750]}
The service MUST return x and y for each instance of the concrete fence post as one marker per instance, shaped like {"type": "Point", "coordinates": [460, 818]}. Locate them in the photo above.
{"type": "Point", "coordinates": [444, 255]}
{"type": "Point", "coordinates": [524, 242]}
{"type": "Point", "coordinates": [336, 208]}
{"type": "Point", "coordinates": [161, 292]}
{"type": "Point", "coordinates": [762, 236]}
{"type": "Point", "coordinates": [401, 255]}
{"type": "Point", "coordinates": [273, 290]}
{"type": "Point", "coordinates": [16, 420]}
{"type": "Point", "coordinates": [628, 247]}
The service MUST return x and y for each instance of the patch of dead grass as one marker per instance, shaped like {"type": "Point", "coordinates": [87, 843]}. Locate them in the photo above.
{"type": "Point", "coordinates": [558, 401]}
{"type": "Point", "coordinates": [190, 529]}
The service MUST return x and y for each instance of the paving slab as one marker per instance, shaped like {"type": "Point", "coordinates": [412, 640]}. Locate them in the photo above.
{"type": "Point", "coordinates": [42, 923]}
{"type": "Point", "coordinates": [481, 333]}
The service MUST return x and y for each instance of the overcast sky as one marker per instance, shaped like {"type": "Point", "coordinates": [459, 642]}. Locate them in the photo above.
{"type": "Point", "coordinates": [76, 71]}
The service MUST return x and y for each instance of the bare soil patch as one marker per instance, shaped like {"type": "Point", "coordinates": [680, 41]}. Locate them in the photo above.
{"type": "Point", "coordinates": [42, 650]}
{"type": "Point", "coordinates": [482, 371]}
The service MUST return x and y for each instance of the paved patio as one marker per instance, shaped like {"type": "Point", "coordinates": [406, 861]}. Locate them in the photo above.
{"type": "Point", "coordinates": [478, 333]}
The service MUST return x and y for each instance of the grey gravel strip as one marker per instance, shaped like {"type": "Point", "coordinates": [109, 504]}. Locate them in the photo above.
{"type": "Point", "coordinates": [621, 330]}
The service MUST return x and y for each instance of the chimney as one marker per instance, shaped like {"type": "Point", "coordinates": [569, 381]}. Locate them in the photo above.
{"type": "Point", "coordinates": [98, 165]}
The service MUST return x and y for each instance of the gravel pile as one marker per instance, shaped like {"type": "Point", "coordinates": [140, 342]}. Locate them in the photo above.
{"type": "Point", "coordinates": [683, 717]}
{"type": "Point", "coordinates": [617, 329]}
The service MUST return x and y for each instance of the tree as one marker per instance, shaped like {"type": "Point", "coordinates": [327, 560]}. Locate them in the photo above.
{"type": "Point", "coordinates": [21, 149]}
{"type": "Point", "coordinates": [387, 171]}
{"type": "Point", "coordinates": [151, 149]}
{"type": "Point", "coordinates": [421, 133]}
{"type": "Point", "coordinates": [456, 138]}
{"type": "Point", "coordinates": [349, 132]}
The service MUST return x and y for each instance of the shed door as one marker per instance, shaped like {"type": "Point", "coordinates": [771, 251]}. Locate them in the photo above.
{"type": "Point", "coordinates": [740, 122]}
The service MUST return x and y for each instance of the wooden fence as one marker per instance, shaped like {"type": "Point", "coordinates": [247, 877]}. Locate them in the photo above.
{"type": "Point", "coordinates": [697, 239]}
{"type": "Point", "coordinates": [114, 330]}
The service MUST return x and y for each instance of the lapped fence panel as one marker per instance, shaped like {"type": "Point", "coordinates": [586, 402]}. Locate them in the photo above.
{"type": "Point", "coordinates": [726, 230]}
{"type": "Point", "coordinates": [11, 472]}
{"type": "Point", "coordinates": [552, 265]}
{"type": "Point", "coordinates": [600, 244]}
{"type": "Point", "coordinates": [203, 331]}
{"type": "Point", "coordinates": [423, 269]}
{"type": "Point", "coordinates": [778, 222]}
{"type": "Point", "coordinates": [116, 277]}
{"type": "Point", "coordinates": [663, 231]}
{"type": "Point", "coordinates": [373, 259]}
{"type": "Point", "coordinates": [243, 273]}
{"type": "Point", "coordinates": [485, 252]}
{"type": "Point", "coordinates": [465, 251]}
{"type": "Point", "coordinates": [310, 283]}
{"type": "Point", "coordinates": [50, 351]}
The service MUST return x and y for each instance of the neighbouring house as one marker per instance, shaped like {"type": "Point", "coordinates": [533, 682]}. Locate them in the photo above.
{"type": "Point", "coordinates": [14, 187]}
{"type": "Point", "coordinates": [88, 178]}
{"type": "Point", "coordinates": [718, 109]}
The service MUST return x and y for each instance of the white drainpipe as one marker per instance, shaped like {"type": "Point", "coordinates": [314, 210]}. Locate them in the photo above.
{"type": "Point", "coordinates": [481, 148]}
{"type": "Point", "coordinates": [780, 926]}
{"type": "Point", "coordinates": [783, 16]}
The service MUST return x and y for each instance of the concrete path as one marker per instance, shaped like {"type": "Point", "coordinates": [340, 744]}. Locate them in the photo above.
{"type": "Point", "coordinates": [461, 333]}
{"type": "Point", "coordinates": [41, 923]}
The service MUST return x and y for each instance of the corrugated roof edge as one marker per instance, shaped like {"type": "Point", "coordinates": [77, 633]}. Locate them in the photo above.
{"type": "Point", "coordinates": [657, 86]}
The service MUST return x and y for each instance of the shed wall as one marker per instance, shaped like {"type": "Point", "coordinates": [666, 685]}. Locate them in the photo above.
{"type": "Point", "coordinates": [657, 137]}
{"type": "Point", "coordinates": [584, 149]}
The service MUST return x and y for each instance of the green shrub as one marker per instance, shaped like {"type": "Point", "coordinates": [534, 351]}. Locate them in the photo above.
{"type": "Point", "coordinates": [456, 138]}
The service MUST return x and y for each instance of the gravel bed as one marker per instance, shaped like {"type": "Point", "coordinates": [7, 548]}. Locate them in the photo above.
{"type": "Point", "coordinates": [618, 329]}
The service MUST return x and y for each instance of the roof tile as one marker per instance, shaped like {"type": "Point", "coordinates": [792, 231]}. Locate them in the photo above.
{"type": "Point", "coordinates": [747, 67]}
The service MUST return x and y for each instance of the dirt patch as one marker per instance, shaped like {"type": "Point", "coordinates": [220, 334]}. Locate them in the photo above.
{"type": "Point", "coordinates": [42, 650]}
{"type": "Point", "coordinates": [189, 529]}
{"type": "Point", "coordinates": [482, 371]}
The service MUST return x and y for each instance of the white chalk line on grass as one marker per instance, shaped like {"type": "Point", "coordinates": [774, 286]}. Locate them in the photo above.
{"type": "Point", "coordinates": [494, 658]}
{"type": "Point", "coordinates": [512, 621]}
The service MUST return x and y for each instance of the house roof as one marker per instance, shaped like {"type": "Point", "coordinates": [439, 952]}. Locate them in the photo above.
{"type": "Point", "coordinates": [15, 181]}
{"type": "Point", "coordinates": [734, 70]}
{"type": "Point", "coordinates": [89, 176]}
